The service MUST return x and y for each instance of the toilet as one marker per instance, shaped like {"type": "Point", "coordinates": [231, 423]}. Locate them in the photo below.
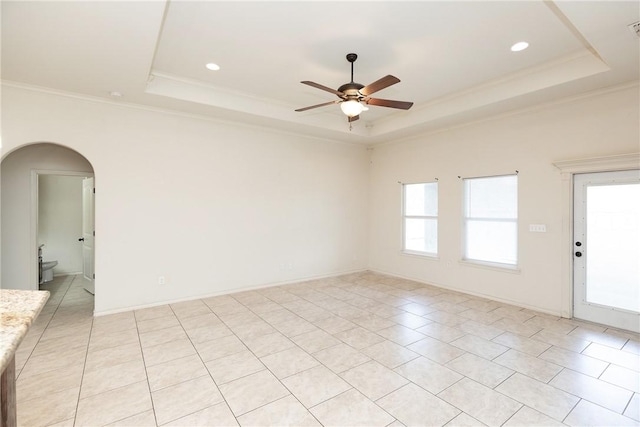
{"type": "Point", "coordinates": [47, 270]}
{"type": "Point", "coordinates": [46, 267]}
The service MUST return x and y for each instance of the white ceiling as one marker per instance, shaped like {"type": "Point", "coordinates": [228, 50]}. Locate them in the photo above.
{"type": "Point", "coordinates": [452, 57]}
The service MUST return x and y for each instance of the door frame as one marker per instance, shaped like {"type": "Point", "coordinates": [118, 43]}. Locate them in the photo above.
{"type": "Point", "coordinates": [34, 281]}
{"type": "Point", "coordinates": [568, 168]}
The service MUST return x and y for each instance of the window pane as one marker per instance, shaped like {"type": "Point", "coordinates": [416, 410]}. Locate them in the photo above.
{"type": "Point", "coordinates": [421, 199]}
{"type": "Point", "coordinates": [492, 241]}
{"type": "Point", "coordinates": [421, 235]}
{"type": "Point", "coordinates": [493, 197]}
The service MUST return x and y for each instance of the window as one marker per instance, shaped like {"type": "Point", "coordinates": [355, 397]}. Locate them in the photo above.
{"type": "Point", "coordinates": [420, 213]}
{"type": "Point", "coordinates": [491, 219]}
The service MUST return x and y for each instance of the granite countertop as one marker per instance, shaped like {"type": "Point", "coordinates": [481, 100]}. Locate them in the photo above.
{"type": "Point", "coordinates": [18, 310]}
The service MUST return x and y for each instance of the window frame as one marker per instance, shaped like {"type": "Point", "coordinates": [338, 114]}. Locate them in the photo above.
{"type": "Point", "coordinates": [465, 219]}
{"type": "Point", "coordinates": [404, 250]}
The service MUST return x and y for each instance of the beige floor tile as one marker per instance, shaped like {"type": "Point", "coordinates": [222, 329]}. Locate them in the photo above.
{"type": "Point", "coordinates": [480, 330]}
{"type": "Point", "coordinates": [429, 375]}
{"type": "Point", "coordinates": [208, 333]}
{"type": "Point", "coordinates": [161, 336]}
{"type": "Point", "coordinates": [603, 338]}
{"type": "Point", "coordinates": [112, 377]}
{"type": "Point", "coordinates": [374, 323]}
{"type": "Point", "coordinates": [248, 393]}
{"type": "Point", "coordinates": [480, 347]}
{"type": "Point", "coordinates": [184, 310]}
{"type": "Point", "coordinates": [157, 323]}
{"type": "Point", "coordinates": [533, 367]}
{"type": "Point", "coordinates": [436, 350]}
{"type": "Point", "coordinates": [315, 385]}
{"type": "Point", "coordinates": [232, 367]}
{"type": "Point", "coordinates": [464, 420]}
{"type": "Point", "coordinates": [177, 401]}
{"type": "Point", "coordinates": [539, 396]}
{"type": "Point", "coordinates": [255, 328]}
{"type": "Point", "coordinates": [530, 417]}
{"type": "Point", "coordinates": [200, 321]}
{"type": "Point", "coordinates": [414, 406]}
{"type": "Point", "coordinates": [390, 354]}
{"type": "Point", "coordinates": [143, 419]}
{"type": "Point", "coordinates": [561, 340]}
{"type": "Point", "coordinates": [219, 347]}
{"type": "Point", "coordinates": [358, 338]}
{"type": "Point", "coordinates": [283, 412]}
{"type": "Point", "coordinates": [617, 357]}
{"type": "Point", "coordinates": [632, 347]}
{"type": "Point", "coordinates": [588, 414]}
{"type": "Point", "coordinates": [481, 370]}
{"type": "Point", "coordinates": [113, 339]}
{"type": "Point", "coordinates": [166, 352]}
{"type": "Point", "coordinates": [65, 423]}
{"type": "Point", "coordinates": [114, 405]}
{"type": "Point", "coordinates": [516, 327]}
{"type": "Point", "coordinates": [153, 313]}
{"type": "Point", "coordinates": [55, 347]}
{"type": "Point", "coordinates": [66, 331]}
{"type": "Point", "coordinates": [41, 385]}
{"type": "Point", "coordinates": [39, 364]}
{"type": "Point", "coordinates": [341, 357]}
{"type": "Point", "coordinates": [418, 309]}
{"type": "Point", "coordinates": [315, 340]}
{"type": "Point", "coordinates": [522, 344]}
{"type": "Point", "coordinates": [513, 313]}
{"type": "Point", "coordinates": [268, 344]}
{"type": "Point", "coordinates": [335, 324]}
{"type": "Point", "coordinates": [216, 415]}
{"type": "Point", "coordinates": [294, 328]}
{"type": "Point", "coordinates": [594, 390]}
{"type": "Point", "coordinates": [633, 408]}
{"type": "Point", "coordinates": [622, 377]}
{"type": "Point", "coordinates": [353, 409]}
{"type": "Point", "coordinates": [552, 324]}
{"type": "Point", "coordinates": [575, 361]}
{"type": "Point", "coordinates": [289, 362]}
{"type": "Point", "coordinates": [445, 318]}
{"type": "Point", "coordinates": [373, 379]}
{"type": "Point", "coordinates": [119, 325]}
{"type": "Point", "coordinates": [440, 332]}
{"type": "Point", "coordinates": [111, 356]}
{"type": "Point", "coordinates": [481, 402]}
{"type": "Point", "coordinates": [55, 407]}
{"type": "Point", "coordinates": [175, 371]}
{"type": "Point", "coordinates": [401, 335]}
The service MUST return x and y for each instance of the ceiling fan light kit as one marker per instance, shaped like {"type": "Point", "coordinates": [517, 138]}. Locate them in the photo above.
{"type": "Point", "coordinates": [354, 97]}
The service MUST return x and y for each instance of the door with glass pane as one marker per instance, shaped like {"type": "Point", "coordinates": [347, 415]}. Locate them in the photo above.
{"type": "Point", "coordinates": [606, 248]}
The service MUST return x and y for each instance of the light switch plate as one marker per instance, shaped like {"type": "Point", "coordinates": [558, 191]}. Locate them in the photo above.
{"type": "Point", "coordinates": [538, 228]}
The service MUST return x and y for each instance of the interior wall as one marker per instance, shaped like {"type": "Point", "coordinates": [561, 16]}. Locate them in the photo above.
{"type": "Point", "coordinates": [529, 142]}
{"type": "Point", "coordinates": [212, 207]}
{"type": "Point", "coordinates": [60, 221]}
{"type": "Point", "coordinates": [19, 253]}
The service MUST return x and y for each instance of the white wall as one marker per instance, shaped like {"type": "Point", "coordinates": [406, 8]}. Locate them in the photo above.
{"type": "Point", "coordinates": [213, 207]}
{"type": "Point", "coordinates": [19, 246]}
{"type": "Point", "coordinates": [529, 142]}
{"type": "Point", "coordinates": [60, 221]}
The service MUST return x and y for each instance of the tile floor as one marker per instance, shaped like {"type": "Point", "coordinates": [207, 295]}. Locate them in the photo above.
{"type": "Point", "coordinates": [362, 349]}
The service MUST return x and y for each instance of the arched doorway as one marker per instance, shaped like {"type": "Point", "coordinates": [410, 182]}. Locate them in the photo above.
{"type": "Point", "coordinates": [57, 171]}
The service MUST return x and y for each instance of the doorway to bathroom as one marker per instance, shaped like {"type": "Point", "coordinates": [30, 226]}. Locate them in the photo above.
{"type": "Point", "coordinates": [64, 226]}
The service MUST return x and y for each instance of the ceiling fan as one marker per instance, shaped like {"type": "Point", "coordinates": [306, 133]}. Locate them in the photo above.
{"type": "Point", "coordinates": [354, 96]}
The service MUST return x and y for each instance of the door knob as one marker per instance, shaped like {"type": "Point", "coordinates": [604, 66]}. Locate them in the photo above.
{"type": "Point", "coordinates": [578, 254]}
{"type": "Point", "coordinates": [81, 239]}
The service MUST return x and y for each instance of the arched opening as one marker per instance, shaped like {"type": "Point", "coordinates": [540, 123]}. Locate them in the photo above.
{"type": "Point", "coordinates": [44, 214]}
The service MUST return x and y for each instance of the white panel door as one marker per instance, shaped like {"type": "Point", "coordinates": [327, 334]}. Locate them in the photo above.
{"type": "Point", "coordinates": [607, 248]}
{"type": "Point", "coordinates": [87, 234]}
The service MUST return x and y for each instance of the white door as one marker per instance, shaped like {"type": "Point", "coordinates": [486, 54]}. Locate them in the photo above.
{"type": "Point", "coordinates": [87, 234]}
{"type": "Point", "coordinates": [606, 248]}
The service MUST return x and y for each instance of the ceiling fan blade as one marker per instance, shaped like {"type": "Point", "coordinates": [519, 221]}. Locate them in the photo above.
{"type": "Point", "coordinates": [318, 105]}
{"type": "Point", "coordinates": [384, 82]}
{"type": "Point", "coordinates": [402, 105]}
{"type": "Point", "coordinates": [319, 86]}
{"type": "Point", "coordinates": [354, 118]}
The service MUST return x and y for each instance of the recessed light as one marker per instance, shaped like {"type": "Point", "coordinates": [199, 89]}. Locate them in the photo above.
{"type": "Point", "coordinates": [519, 46]}
{"type": "Point", "coordinates": [115, 94]}
{"type": "Point", "coordinates": [213, 67]}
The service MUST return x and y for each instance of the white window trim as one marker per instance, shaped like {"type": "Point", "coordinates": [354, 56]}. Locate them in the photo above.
{"type": "Point", "coordinates": [430, 255]}
{"type": "Point", "coordinates": [491, 265]}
